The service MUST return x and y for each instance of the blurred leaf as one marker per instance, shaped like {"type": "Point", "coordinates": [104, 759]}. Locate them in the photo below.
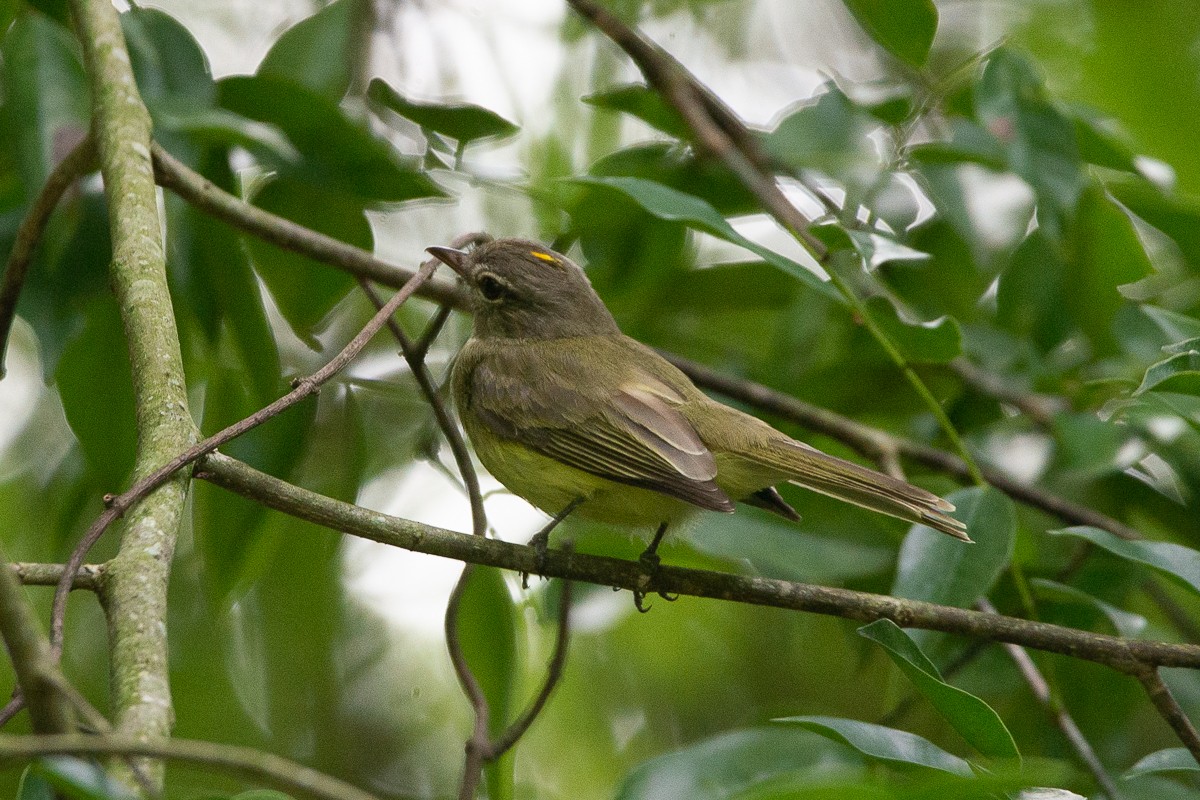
{"type": "Point", "coordinates": [828, 133]}
{"type": "Point", "coordinates": [1124, 622]}
{"type": "Point", "coordinates": [1179, 374]}
{"type": "Point", "coordinates": [229, 535]}
{"type": "Point", "coordinates": [731, 763]}
{"type": "Point", "coordinates": [338, 153]}
{"type": "Point", "coordinates": [1090, 448]}
{"type": "Point", "coordinates": [462, 122]}
{"type": "Point", "coordinates": [1176, 215]}
{"type": "Point", "coordinates": [1106, 254]}
{"type": "Point", "coordinates": [1029, 297]}
{"type": "Point", "coordinates": [666, 203]}
{"type": "Point", "coordinates": [935, 342]}
{"type": "Point", "coordinates": [885, 744]}
{"type": "Point", "coordinates": [1176, 327]}
{"type": "Point", "coordinates": [487, 632]}
{"type": "Point", "coordinates": [306, 290]}
{"type": "Point", "coordinates": [171, 69]}
{"type": "Point", "coordinates": [940, 569]}
{"type": "Point", "coordinates": [1180, 564]}
{"type": "Point", "coordinates": [97, 393]}
{"type": "Point", "coordinates": [319, 51]}
{"type": "Point", "coordinates": [46, 107]}
{"type": "Point", "coordinates": [79, 779]}
{"type": "Point", "coordinates": [974, 719]}
{"type": "Point", "coordinates": [905, 28]}
{"type": "Point", "coordinates": [33, 786]}
{"type": "Point", "coordinates": [968, 143]}
{"type": "Point", "coordinates": [644, 103]}
{"type": "Point", "coordinates": [57, 10]}
{"type": "Point", "coordinates": [1039, 141]}
{"type": "Point", "coordinates": [1098, 143]}
{"type": "Point", "coordinates": [1173, 759]}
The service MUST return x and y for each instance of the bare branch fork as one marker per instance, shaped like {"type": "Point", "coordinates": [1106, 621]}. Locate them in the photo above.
{"type": "Point", "coordinates": [305, 387]}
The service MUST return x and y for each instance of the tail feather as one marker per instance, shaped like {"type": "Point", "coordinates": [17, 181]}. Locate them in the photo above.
{"type": "Point", "coordinates": [810, 468]}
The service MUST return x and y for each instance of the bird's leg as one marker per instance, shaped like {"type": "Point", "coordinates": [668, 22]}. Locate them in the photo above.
{"type": "Point", "coordinates": [541, 540]}
{"type": "Point", "coordinates": [650, 562]}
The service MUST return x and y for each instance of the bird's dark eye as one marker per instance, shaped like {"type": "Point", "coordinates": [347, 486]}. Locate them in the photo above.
{"type": "Point", "coordinates": [491, 287]}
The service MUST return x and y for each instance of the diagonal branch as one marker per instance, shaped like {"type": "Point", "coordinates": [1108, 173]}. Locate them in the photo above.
{"type": "Point", "coordinates": [304, 388]}
{"type": "Point", "coordinates": [1130, 656]}
{"type": "Point", "coordinates": [78, 162]}
{"type": "Point", "coordinates": [1170, 710]}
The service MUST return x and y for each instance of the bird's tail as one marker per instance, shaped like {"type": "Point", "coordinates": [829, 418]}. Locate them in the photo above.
{"type": "Point", "coordinates": [808, 467]}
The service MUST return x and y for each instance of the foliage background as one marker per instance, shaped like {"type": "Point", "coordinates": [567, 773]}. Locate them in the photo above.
{"type": "Point", "coordinates": [1050, 172]}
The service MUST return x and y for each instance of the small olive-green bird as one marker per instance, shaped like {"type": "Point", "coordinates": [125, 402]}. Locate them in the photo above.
{"type": "Point", "coordinates": [572, 415]}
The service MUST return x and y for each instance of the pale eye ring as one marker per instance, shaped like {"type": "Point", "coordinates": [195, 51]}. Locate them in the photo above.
{"type": "Point", "coordinates": [492, 288]}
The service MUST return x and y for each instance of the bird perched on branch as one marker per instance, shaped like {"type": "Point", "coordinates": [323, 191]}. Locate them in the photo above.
{"type": "Point", "coordinates": [575, 417]}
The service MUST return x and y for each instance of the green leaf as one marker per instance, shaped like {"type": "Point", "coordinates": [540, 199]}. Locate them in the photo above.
{"type": "Point", "coordinates": [666, 203]}
{"type": "Point", "coordinates": [1098, 142]}
{"type": "Point", "coordinates": [97, 392]}
{"type": "Point", "coordinates": [1125, 623]}
{"type": "Point", "coordinates": [905, 28]}
{"type": "Point", "coordinates": [45, 96]}
{"type": "Point", "coordinates": [1179, 374]}
{"type": "Point", "coordinates": [1039, 140]}
{"type": "Point", "coordinates": [1029, 297]}
{"type": "Point", "coordinates": [1180, 564]}
{"type": "Point", "coordinates": [33, 786]}
{"type": "Point", "coordinates": [487, 629]}
{"type": "Point", "coordinates": [1175, 326]}
{"type": "Point", "coordinates": [641, 101]}
{"type": "Point", "coordinates": [1173, 759]}
{"type": "Point", "coordinates": [338, 153]}
{"type": "Point", "coordinates": [79, 779]}
{"type": "Point", "coordinates": [307, 290]}
{"type": "Point", "coordinates": [939, 569]}
{"type": "Point", "coordinates": [885, 744]}
{"type": "Point", "coordinates": [729, 764]}
{"type": "Point", "coordinates": [170, 66]}
{"type": "Point", "coordinates": [1106, 253]}
{"type": "Point", "coordinates": [462, 122]}
{"type": "Point", "coordinates": [1176, 215]}
{"type": "Point", "coordinates": [968, 143]}
{"type": "Point", "coordinates": [974, 719]}
{"type": "Point", "coordinates": [935, 342]}
{"type": "Point", "coordinates": [318, 52]}
{"type": "Point", "coordinates": [828, 133]}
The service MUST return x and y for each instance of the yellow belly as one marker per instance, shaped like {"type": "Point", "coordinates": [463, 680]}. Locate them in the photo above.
{"type": "Point", "coordinates": [552, 486]}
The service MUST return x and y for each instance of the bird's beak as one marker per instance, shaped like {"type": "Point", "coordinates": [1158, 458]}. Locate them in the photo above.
{"type": "Point", "coordinates": [454, 259]}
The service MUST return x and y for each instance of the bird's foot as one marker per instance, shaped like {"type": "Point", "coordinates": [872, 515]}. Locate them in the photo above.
{"type": "Point", "coordinates": [541, 545]}
{"type": "Point", "coordinates": [651, 564]}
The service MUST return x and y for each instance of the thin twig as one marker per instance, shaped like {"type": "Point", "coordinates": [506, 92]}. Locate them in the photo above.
{"type": "Point", "coordinates": [1125, 655]}
{"type": "Point", "coordinates": [1062, 717]}
{"type": "Point", "coordinates": [78, 162]}
{"type": "Point", "coordinates": [1160, 695]}
{"type": "Point", "coordinates": [554, 669]}
{"type": "Point", "coordinates": [32, 659]}
{"type": "Point", "coordinates": [275, 770]}
{"type": "Point", "coordinates": [1040, 408]}
{"type": "Point", "coordinates": [304, 388]}
{"type": "Point", "coordinates": [88, 576]}
{"type": "Point", "coordinates": [478, 744]}
{"type": "Point", "coordinates": [215, 201]}
{"type": "Point", "coordinates": [421, 348]}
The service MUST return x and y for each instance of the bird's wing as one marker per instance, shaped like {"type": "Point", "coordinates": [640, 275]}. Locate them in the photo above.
{"type": "Point", "coordinates": [626, 433]}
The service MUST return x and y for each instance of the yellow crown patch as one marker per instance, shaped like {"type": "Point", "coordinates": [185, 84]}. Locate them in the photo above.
{"type": "Point", "coordinates": [544, 257]}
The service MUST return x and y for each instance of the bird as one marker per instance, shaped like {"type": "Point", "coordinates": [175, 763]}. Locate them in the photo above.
{"type": "Point", "coordinates": [577, 418]}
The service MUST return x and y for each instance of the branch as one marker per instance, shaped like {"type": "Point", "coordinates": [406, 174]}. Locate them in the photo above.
{"type": "Point", "coordinates": [32, 658]}
{"type": "Point", "coordinates": [215, 201]}
{"type": "Point", "coordinates": [872, 443]}
{"type": "Point", "coordinates": [1125, 655]}
{"type": "Point", "coordinates": [1167, 706]}
{"type": "Point", "coordinates": [280, 772]}
{"type": "Point", "coordinates": [77, 163]}
{"type": "Point", "coordinates": [304, 388]}
{"type": "Point", "coordinates": [1062, 717]}
{"type": "Point", "coordinates": [136, 584]}
{"type": "Point", "coordinates": [88, 576]}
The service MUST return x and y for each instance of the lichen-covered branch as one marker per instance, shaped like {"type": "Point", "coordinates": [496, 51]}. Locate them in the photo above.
{"type": "Point", "coordinates": [136, 579]}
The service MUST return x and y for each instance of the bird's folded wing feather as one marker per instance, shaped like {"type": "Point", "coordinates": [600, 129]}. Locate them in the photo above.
{"type": "Point", "coordinates": [628, 433]}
